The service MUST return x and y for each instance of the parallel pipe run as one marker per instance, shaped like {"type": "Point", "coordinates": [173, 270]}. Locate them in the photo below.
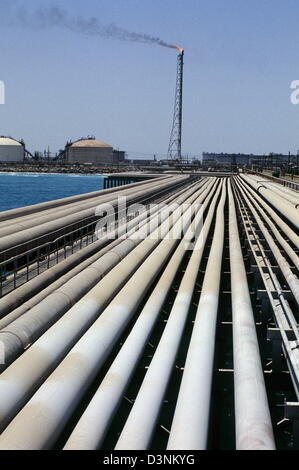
{"type": "Point", "coordinates": [68, 217]}
{"type": "Point", "coordinates": [288, 194]}
{"type": "Point", "coordinates": [282, 314]}
{"type": "Point", "coordinates": [18, 335]}
{"type": "Point", "coordinates": [283, 242]}
{"type": "Point", "coordinates": [145, 411]}
{"type": "Point", "coordinates": [190, 426]}
{"type": "Point", "coordinates": [286, 209]}
{"type": "Point", "coordinates": [21, 379]}
{"type": "Point", "coordinates": [98, 316]}
{"type": "Point", "coordinates": [289, 276]}
{"type": "Point", "coordinates": [282, 227]}
{"type": "Point", "coordinates": [44, 206]}
{"type": "Point", "coordinates": [45, 283]}
{"type": "Point", "coordinates": [94, 423]}
{"type": "Point", "coordinates": [276, 296]}
{"type": "Point", "coordinates": [57, 398]}
{"type": "Point", "coordinates": [54, 214]}
{"type": "Point", "coordinates": [252, 416]}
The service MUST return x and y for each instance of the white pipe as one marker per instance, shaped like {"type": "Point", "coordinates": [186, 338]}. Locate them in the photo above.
{"type": "Point", "coordinates": [287, 194]}
{"type": "Point", "coordinates": [252, 416]}
{"type": "Point", "coordinates": [145, 411]}
{"type": "Point", "coordinates": [55, 400]}
{"type": "Point", "coordinates": [43, 226]}
{"type": "Point", "coordinates": [289, 276]}
{"type": "Point", "coordinates": [28, 211]}
{"type": "Point", "coordinates": [190, 426]}
{"type": "Point", "coordinates": [20, 380]}
{"type": "Point", "coordinates": [57, 275]}
{"type": "Point", "coordinates": [21, 333]}
{"type": "Point", "coordinates": [285, 208]}
{"type": "Point", "coordinates": [94, 423]}
{"type": "Point", "coordinates": [293, 237]}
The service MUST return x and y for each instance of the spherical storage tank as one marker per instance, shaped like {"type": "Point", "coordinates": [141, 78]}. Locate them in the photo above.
{"type": "Point", "coordinates": [11, 150]}
{"type": "Point", "coordinates": [89, 150]}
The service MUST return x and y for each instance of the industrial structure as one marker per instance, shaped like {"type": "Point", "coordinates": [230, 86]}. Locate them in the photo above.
{"type": "Point", "coordinates": [89, 151]}
{"type": "Point", "coordinates": [220, 160]}
{"type": "Point", "coordinates": [119, 156]}
{"type": "Point", "coordinates": [132, 337]}
{"type": "Point", "coordinates": [11, 150]}
{"type": "Point", "coordinates": [272, 161]}
{"type": "Point", "coordinates": [175, 144]}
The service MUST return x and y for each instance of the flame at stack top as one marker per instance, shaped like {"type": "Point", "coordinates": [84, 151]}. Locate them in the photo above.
{"type": "Point", "coordinates": [180, 49]}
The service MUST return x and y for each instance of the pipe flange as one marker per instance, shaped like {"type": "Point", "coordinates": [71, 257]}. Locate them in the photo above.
{"type": "Point", "coordinates": [261, 186]}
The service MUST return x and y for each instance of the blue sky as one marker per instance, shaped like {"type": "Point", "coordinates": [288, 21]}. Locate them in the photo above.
{"type": "Point", "coordinates": [241, 56]}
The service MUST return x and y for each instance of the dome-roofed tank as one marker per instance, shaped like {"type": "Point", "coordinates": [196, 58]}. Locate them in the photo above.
{"type": "Point", "coordinates": [89, 150]}
{"type": "Point", "coordinates": [11, 150]}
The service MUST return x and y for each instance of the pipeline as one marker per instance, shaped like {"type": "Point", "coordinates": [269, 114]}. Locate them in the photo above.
{"type": "Point", "coordinates": [145, 411]}
{"type": "Point", "coordinates": [190, 424]}
{"type": "Point", "coordinates": [68, 268]}
{"type": "Point", "coordinates": [23, 236]}
{"type": "Point", "coordinates": [28, 210]}
{"type": "Point", "coordinates": [17, 336]}
{"type": "Point", "coordinates": [285, 208]}
{"type": "Point", "coordinates": [283, 316]}
{"type": "Point", "coordinates": [111, 329]}
{"type": "Point", "coordinates": [58, 340]}
{"type": "Point", "coordinates": [94, 423]}
{"type": "Point", "coordinates": [53, 214]}
{"type": "Point", "coordinates": [285, 245]}
{"type": "Point", "coordinates": [290, 234]}
{"type": "Point", "coordinates": [252, 416]}
{"type": "Point", "coordinates": [290, 278]}
{"type": "Point", "coordinates": [288, 194]}
{"type": "Point", "coordinates": [82, 363]}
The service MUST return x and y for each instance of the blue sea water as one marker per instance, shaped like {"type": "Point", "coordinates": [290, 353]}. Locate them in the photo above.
{"type": "Point", "coordinates": [25, 189]}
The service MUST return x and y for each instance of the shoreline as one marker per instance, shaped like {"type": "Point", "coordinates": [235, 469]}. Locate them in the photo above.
{"type": "Point", "coordinates": [61, 169]}
{"type": "Point", "coordinates": [13, 173]}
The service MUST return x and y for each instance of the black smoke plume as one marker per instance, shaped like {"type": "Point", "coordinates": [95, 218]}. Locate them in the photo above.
{"type": "Point", "coordinates": [57, 17]}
